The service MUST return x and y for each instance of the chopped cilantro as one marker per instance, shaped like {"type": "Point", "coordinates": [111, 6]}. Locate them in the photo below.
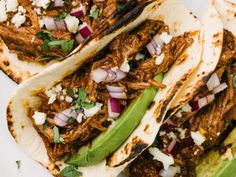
{"type": "Point", "coordinates": [87, 105]}
{"type": "Point", "coordinates": [70, 120]}
{"type": "Point", "coordinates": [70, 171]}
{"type": "Point", "coordinates": [62, 16]}
{"type": "Point", "coordinates": [45, 44]}
{"type": "Point", "coordinates": [43, 34]}
{"type": "Point", "coordinates": [94, 12]}
{"type": "Point", "coordinates": [65, 45]}
{"type": "Point", "coordinates": [151, 32]}
{"type": "Point", "coordinates": [234, 81]}
{"type": "Point", "coordinates": [71, 93]}
{"type": "Point", "coordinates": [81, 100]}
{"type": "Point", "coordinates": [18, 164]}
{"type": "Point", "coordinates": [56, 136]}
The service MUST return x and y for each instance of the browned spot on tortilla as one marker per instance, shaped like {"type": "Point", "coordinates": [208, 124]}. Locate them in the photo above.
{"type": "Point", "coordinates": [6, 63]}
{"type": "Point", "coordinates": [231, 12]}
{"type": "Point", "coordinates": [22, 127]}
{"type": "Point", "coordinates": [181, 58]}
{"type": "Point", "coordinates": [10, 122]}
{"type": "Point", "coordinates": [146, 128]}
{"type": "Point", "coordinates": [151, 105]}
{"type": "Point", "coordinates": [137, 147]}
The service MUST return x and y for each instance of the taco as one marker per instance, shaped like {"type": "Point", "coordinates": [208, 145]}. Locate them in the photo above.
{"type": "Point", "coordinates": [34, 34]}
{"type": "Point", "coordinates": [85, 110]}
{"type": "Point", "coordinates": [201, 115]}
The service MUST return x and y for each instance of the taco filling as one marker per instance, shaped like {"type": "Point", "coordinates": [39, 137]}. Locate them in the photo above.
{"type": "Point", "coordinates": [103, 102]}
{"type": "Point", "coordinates": [197, 127]}
{"type": "Point", "coordinates": [43, 30]}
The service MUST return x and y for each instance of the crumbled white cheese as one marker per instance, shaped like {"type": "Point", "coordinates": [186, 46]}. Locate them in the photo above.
{"type": "Point", "coordinates": [162, 133]}
{"type": "Point", "coordinates": [64, 92]}
{"type": "Point", "coordinates": [52, 98]}
{"type": "Point", "coordinates": [72, 23]}
{"type": "Point", "coordinates": [39, 118]}
{"type": "Point", "coordinates": [92, 111]}
{"type": "Point", "coordinates": [198, 138]}
{"type": "Point", "coordinates": [125, 66]}
{"type": "Point", "coordinates": [182, 132]}
{"type": "Point", "coordinates": [159, 59]}
{"type": "Point", "coordinates": [165, 159]}
{"type": "Point", "coordinates": [38, 11]}
{"type": "Point", "coordinates": [171, 135]}
{"type": "Point", "coordinates": [166, 38]}
{"type": "Point", "coordinates": [218, 133]}
{"type": "Point", "coordinates": [41, 3]}
{"type": "Point", "coordinates": [19, 18]}
{"type": "Point", "coordinates": [11, 5]}
{"type": "Point", "coordinates": [187, 108]}
{"type": "Point", "coordinates": [227, 155]}
{"type": "Point", "coordinates": [21, 9]}
{"type": "Point", "coordinates": [179, 114]}
{"type": "Point", "coordinates": [68, 99]}
{"type": "Point", "coordinates": [170, 172]}
{"type": "Point", "coordinates": [139, 56]}
{"type": "Point", "coordinates": [80, 117]}
{"type": "Point", "coordinates": [58, 88]}
{"type": "Point", "coordinates": [3, 14]}
{"type": "Point", "coordinates": [62, 98]}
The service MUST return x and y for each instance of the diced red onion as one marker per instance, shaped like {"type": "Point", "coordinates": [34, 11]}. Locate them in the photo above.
{"type": "Point", "coordinates": [49, 23]}
{"type": "Point", "coordinates": [220, 88]}
{"type": "Point", "coordinates": [168, 125]}
{"type": "Point", "coordinates": [79, 38]}
{"type": "Point", "coordinates": [202, 102]}
{"type": "Point", "coordinates": [170, 172]}
{"type": "Point", "coordinates": [119, 75]}
{"type": "Point", "coordinates": [61, 25]}
{"type": "Point", "coordinates": [113, 107]}
{"type": "Point", "coordinates": [213, 82]}
{"type": "Point", "coordinates": [85, 30]}
{"type": "Point", "coordinates": [111, 76]}
{"type": "Point", "coordinates": [118, 95]}
{"type": "Point", "coordinates": [59, 122]}
{"type": "Point", "coordinates": [154, 44]}
{"type": "Point", "coordinates": [115, 88]}
{"type": "Point", "coordinates": [99, 75]}
{"type": "Point", "coordinates": [194, 105]}
{"type": "Point", "coordinates": [158, 40]}
{"type": "Point", "coordinates": [173, 147]}
{"type": "Point", "coordinates": [62, 116]}
{"type": "Point", "coordinates": [58, 3]}
{"type": "Point", "coordinates": [70, 113]}
{"type": "Point", "coordinates": [187, 142]}
{"type": "Point", "coordinates": [151, 49]}
{"type": "Point", "coordinates": [78, 12]}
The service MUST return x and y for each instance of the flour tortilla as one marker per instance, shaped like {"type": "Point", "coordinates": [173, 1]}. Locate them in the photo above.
{"type": "Point", "coordinates": [180, 20]}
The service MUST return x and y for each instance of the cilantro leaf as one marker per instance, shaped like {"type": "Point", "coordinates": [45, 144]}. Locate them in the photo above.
{"type": "Point", "coordinates": [56, 136]}
{"type": "Point", "coordinates": [94, 12]}
{"type": "Point", "coordinates": [62, 16]}
{"type": "Point", "coordinates": [70, 171]}
{"type": "Point", "coordinates": [71, 93]}
{"type": "Point", "coordinates": [43, 34]}
{"type": "Point", "coordinates": [234, 81]}
{"type": "Point", "coordinates": [18, 164]}
{"type": "Point", "coordinates": [151, 32]}
{"type": "Point", "coordinates": [65, 45]}
{"type": "Point", "coordinates": [81, 96]}
{"type": "Point", "coordinates": [70, 120]}
{"type": "Point", "coordinates": [87, 105]}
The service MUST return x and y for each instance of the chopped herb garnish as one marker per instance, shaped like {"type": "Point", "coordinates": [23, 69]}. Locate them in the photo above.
{"type": "Point", "coordinates": [94, 12]}
{"type": "Point", "coordinates": [234, 81]}
{"type": "Point", "coordinates": [43, 34]}
{"type": "Point", "coordinates": [56, 136]}
{"type": "Point", "coordinates": [65, 45]}
{"type": "Point", "coordinates": [18, 164]}
{"type": "Point", "coordinates": [151, 32]}
{"type": "Point", "coordinates": [45, 44]}
{"type": "Point", "coordinates": [70, 120]}
{"type": "Point", "coordinates": [70, 171]}
{"type": "Point", "coordinates": [62, 16]}
{"type": "Point", "coordinates": [81, 100]}
{"type": "Point", "coordinates": [87, 105]}
{"type": "Point", "coordinates": [71, 93]}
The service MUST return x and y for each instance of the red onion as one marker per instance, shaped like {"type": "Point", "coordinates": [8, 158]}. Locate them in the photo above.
{"type": "Point", "coordinates": [194, 105]}
{"type": "Point", "coordinates": [111, 76]}
{"type": "Point", "coordinates": [173, 147]}
{"type": "Point", "coordinates": [79, 38]}
{"type": "Point", "coordinates": [62, 116]}
{"type": "Point", "coordinates": [58, 3]}
{"type": "Point", "coordinates": [151, 49]}
{"type": "Point", "coordinates": [115, 88]}
{"type": "Point", "coordinates": [49, 23]}
{"type": "Point", "coordinates": [118, 95]}
{"type": "Point", "coordinates": [119, 75]}
{"type": "Point", "coordinates": [168, 125]}
{"type": "Point", "coordinates": [70, 113]}
{"type": "Point", "coordinates": [59, 122]}
{"type": "Point", "coordinates": [113, 107]}
{"type": "Point", "coordinates": [158, 40]}
{"type": "Point", "coordinates": [60, 24]}
{"type": "Point", "coordinates": [78, 12]}
{"type": "Point", "coordinates": [154, 44]}
{"type": "Point", "coordinates": [85, 30]}
{"type": "Point", "coordinates": [187, 142]}
{"type": "Point", "coordinates": [220, 88]}
{"type": "Point", "coordinates": [202, 102]}
{"type": "Point", "coordinates": [213, 82]}
{"type": "Point", "coordinates": [99, 75]}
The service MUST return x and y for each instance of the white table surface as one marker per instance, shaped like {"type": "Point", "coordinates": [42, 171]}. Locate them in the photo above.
{"type": "Point", "coordinates": [9, 151]}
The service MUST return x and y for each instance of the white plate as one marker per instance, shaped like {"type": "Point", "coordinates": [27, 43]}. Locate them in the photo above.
{"type": "Point", "coordinates": [10, 152]}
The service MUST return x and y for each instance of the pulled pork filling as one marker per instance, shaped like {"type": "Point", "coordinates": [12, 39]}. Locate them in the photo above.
{"type": "Point", "coordinates": [79, 108]}
{"type": "Point", "coordinates": [39, 32]}
{"type": "Point", "coordinates": [199, 126]}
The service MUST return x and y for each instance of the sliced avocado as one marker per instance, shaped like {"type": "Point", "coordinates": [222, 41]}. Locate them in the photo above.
{"type": "Point", "coordinates": [110, 140]}
{"type": "Point", "coordinates": [212, 165]}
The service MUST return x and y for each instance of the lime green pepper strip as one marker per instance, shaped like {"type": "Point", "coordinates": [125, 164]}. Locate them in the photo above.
{"type": "Point", "coordinates": [110, 140]}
